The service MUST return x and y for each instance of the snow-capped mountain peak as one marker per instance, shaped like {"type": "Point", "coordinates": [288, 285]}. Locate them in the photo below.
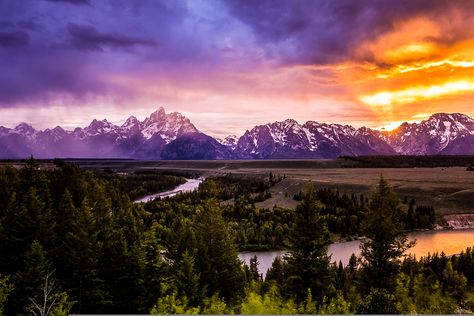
{"type": "Point", "coordinates": [168, 126]}
{"type": "Point", "coordinates": [173, 136]}
{"type": "Point", "coordinates": [156, 117]}
{"type": "Point", "coordinates": [101, 127]}
{"type": "Point", "coordinates": [25, 130]}
{"type": "Point", "coordinates": [131, 122]}
{"type": "Point", "coordinates": [438, 134]}
{"type": "Point", "coordinates": [230, 141]}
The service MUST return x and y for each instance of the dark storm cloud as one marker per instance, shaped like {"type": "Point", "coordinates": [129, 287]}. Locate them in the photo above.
{"type": "Point", "coordinates": [52, 53]}
{"type": "Point", "coordinates": [6, 24]}
{"type": "Point", "coordinates": [25, 80]}
{"type": "Point", "coordinates": [13, 38]}
{"type": "Point", "coordinates": [28, 25]}
{"type": "Point", "coordinates": [319, 32]}
{"type": "Point", "coordinates": [89, 38]}
{"type": "Point", "coordinates": [24, 25]}
{"type": "Point", "coordinates": [72, 1]}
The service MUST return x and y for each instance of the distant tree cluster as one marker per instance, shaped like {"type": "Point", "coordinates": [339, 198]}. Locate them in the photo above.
{"type": "Point", "coordinates": [345, 213]}
{"type": "Point", "coordinates": [406, 161]}
{"type": "Point", "coordinates": [139, 184]}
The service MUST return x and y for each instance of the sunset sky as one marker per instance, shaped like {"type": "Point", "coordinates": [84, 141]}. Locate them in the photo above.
{"type": "Point", "coordinates": [230, 65]}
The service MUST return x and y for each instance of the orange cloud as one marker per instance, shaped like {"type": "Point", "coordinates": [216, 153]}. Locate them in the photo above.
{"type": "Point", "coordinates": [411, 95]}
{"type": "Point", "coordinates": [410, 40]}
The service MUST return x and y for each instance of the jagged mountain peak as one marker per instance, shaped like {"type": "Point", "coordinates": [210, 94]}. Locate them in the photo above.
{"type": "Point", "coordinates": [435, 135]}
{"type": "Point", "coordinates": [289, 122]}
{"type": "Point", "coordinates": [57, 130]}
{"type": "Point", "coordinates": [229, 141]}
{"type": "Point", "coordinates": [130, 122]}
{"type": "Point", "coordinates": [450, 117]}
{"type": "Point", "coordinates": [156, 117]}
{"type": "Point", "coordinates": [25, 130]}
{"type": "Point", "coordinates": [167, 135]}
{"type": "Point", "coordinates": [168, 126]}
{"type": "Point", "coordinates": [101, 127]}
{"type": "Point", "coordinates": [24, 127]}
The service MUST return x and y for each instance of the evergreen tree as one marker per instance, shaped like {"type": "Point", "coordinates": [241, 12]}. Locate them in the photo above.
{"type": "Point", "coordinates": [386, 239]}
{"type": "Point", "coordinates": [186, 279]}
{"type": "Point", "coordinates": [5, 289]}
{"type": "Point", "coordinates": [28, 281]}
{"type": "Point", "coordinates": [9, 185]}
{"type": "Point", "coordinates": [276, 275]}
{"type": "Point", "coordinates": [253, 269]}
{"type": "Point", "coordinates": [64, 217]}
{"type": "Point", "coordinates": [83, 249]}
{"type": "Point", "coordinates": [155, 267]}
{"type": "Point", "coordinates": [15, 236]}
{"type": "Point", "coordinates": [120, 267]}
{"type": "Point", "coordinates": [308, 262]}
{"type": "Point", "coordinates": [217, 262]}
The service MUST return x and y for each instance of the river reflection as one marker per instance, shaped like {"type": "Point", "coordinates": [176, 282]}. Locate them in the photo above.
{"type": "Point", "coordinates": [450, 241]}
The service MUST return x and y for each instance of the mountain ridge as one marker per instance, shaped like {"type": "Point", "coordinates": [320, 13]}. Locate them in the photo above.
{"type": "Point", "coordinates": [173, 136]}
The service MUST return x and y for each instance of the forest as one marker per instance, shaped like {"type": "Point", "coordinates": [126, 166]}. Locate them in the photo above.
{"type": "Point", "coordinates": [73, 241]}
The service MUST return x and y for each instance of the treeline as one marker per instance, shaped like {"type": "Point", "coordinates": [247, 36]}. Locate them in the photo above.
{"type": "Point", "coordinates": [73, 241]}
{"type": "Point", "coordinates": [139, 184]}
{"type": "Point", "coordinates": [406, 161]}
{"type": "Point", "coordinates": [345, 213]}
{"type": "Point", "coordinates": [259, 229]}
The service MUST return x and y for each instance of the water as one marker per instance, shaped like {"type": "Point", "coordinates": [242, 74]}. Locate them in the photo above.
{"type": "Point", "coordinates": [450, 241]}
{"type": "Point", "coordinates": [188, 186]}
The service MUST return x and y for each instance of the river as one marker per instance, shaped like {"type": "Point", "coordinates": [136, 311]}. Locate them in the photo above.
{"type": "Point", "coordinates": [450, 241]}
{"type": "Point", "coordinates": [188, 186]}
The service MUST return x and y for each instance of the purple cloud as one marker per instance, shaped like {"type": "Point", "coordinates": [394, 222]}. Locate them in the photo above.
{"type": "Point", "coordinates": [72, 1]}
{"type": "Point", "coordinates": [89, 38]}
{"type": "Point", "coordinates": [13, 38]}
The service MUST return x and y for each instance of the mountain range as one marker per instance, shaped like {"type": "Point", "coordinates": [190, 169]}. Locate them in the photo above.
{"type": "Point", "coordinates": [173, 136]}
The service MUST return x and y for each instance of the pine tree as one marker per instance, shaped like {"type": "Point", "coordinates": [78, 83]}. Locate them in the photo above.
{"type": "Point", "coordinates": [386, 238]}
{"type": "Point", "coordinates": [83, 250]}
{"type": "Point", "coordinates": [276, 274]}
{"type": "Point", "coordinates": [121, 268]}
{"type": "Point", "coordinates": [186, 279]}
{"type": "Point", "coordinates": [64, 217]}
{"type": "Point", "coordinates": [5, 289]}
{"type": "Point", "coordinates": [156, 268]}
{"type": "Point", "coordinates": [29, 279]}
{"type": "Point", "coordinates": [14, 236]}
{"type": "Point", "coordinates": [253, 266]}
{"type": "Point", "coordinates": [308, 262]}
{"type": "Point", "coordinates": [218, 264]}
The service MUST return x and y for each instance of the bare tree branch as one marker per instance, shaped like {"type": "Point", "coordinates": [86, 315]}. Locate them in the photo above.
{"type": "Point", "coordinates": [48, 299]}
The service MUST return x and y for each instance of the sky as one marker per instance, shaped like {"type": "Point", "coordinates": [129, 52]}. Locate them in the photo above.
{"type": "Point", "coordinates": [229, 65]}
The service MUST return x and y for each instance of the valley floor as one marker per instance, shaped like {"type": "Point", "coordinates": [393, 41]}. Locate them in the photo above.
{"type": "Point", "coordinates": [449, 190]}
